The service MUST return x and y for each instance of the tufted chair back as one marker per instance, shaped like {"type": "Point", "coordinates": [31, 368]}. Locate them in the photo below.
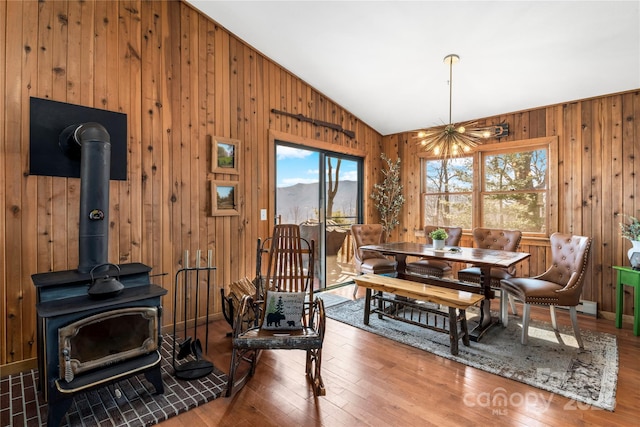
{"type": "Point", "coordinates": [491, 238]}
{"type": "Point", "coordinates": [453, 234]}
{"type": "Point", "coordinates": [569, 255]}
{"type": "Point", "coordinates": [505, 240]}
{"type": "Point", "coordinates": [366, 234]}
{"type": "Point", "coordinates": [369, 261]}
{"type": "Point", "coordinates": [431, 267]}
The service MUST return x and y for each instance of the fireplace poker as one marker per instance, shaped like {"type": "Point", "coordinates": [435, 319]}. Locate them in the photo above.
{"type": "Point", "coordinates": [185, 280]}
{"type": "Point", "coordinates": [206, 327]}
{"type": "Point", "coordinates": [196, 341]}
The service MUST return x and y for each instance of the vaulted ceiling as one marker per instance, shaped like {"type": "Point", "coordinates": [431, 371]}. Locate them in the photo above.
{"type": "Point", "coordinates": [383, 60]}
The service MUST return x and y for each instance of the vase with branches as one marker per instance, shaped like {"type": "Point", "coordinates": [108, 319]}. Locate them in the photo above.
{"type": "Point", "coordinates": [631, 230]}
{"type": "Point", "coordinates": [388, 196]}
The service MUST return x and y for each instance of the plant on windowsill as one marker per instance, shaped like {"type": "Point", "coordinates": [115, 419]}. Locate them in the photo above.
{"type": "Point", "coordinates": [631, 231]}
{"type": "Point", "coordinates": [388, 196]}
{"type": "Point", "coordinates": [438, 236]}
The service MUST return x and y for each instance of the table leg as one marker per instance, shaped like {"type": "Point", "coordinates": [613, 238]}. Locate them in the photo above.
{"type": "Point", "coordinates": [453, 330]}
{"type": "Point", "coordinates": [619, 301]}
{"type": "Point", "coordinates": [367, 305]}
{"type": "Point", "coordinates": [486, 321]}
{"type": "Point", "coordinates": [401, 272]}
{"type": "Point", "coordinates": [381, 304]}
{"type": "Point", "coordinates": [463, 325]}
{"type": "Point", "coordinates": [636, 309]}
{"type": "Point", "coordinates": [401, 259]}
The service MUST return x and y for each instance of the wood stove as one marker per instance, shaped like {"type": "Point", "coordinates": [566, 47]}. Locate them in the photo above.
{"type": "Point", "coordinates": [94, 330]}
{"type": "Point", "coordinates": [85, 343]}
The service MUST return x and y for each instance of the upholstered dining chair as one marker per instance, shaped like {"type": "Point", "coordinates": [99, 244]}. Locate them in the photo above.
{"type": "Point", "coordinates": [488, 238]}
{"type": "Point", "coordinates": [560, 285]}
{"type": "Point", "coordinates": [432, 267]}
{"type": "Point", "coordinates": [370, 261]}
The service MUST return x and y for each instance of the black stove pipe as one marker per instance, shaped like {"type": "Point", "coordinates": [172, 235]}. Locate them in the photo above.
{"type": "Point", "coordinates": [95, 166]}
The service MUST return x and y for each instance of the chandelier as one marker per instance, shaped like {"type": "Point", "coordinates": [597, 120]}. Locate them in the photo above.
{"type": "Point", "coordinates": [453, 140]}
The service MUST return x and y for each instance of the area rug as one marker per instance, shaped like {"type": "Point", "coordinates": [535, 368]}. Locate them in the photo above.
{"type": "Point", "coordinates": [330, 299]}
{"type": "Point", "coordinates": [23, 405]}
{"type": "Point", "coordinates": [550, 361]}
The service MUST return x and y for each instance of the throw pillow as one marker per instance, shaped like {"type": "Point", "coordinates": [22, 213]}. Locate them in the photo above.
{"type": "Point", "coordinates": [284, 311]}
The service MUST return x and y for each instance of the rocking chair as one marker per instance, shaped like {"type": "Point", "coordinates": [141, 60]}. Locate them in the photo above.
{"type": "Point", "coordinates": [283, 313]}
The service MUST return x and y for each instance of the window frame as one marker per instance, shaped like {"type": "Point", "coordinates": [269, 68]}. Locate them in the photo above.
{"type": "Point", "coordinates": [423, 194]}
{"type": "Point", "coordinates": [478, 155]}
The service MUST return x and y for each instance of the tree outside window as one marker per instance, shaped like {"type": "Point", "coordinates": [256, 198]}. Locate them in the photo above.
{"type": "Point", "coordinates": [509, 189]}
{"type": "Point", "coordinates": [449, 192]}
{"type": "Point", "coordinates": [515, 191]}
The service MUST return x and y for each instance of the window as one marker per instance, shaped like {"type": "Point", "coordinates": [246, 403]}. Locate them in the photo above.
{"type": "Point", "coordinates": [498, 186]}
{"type": "Point", "coordinates": [448, 199]}
{"type": "Point", "coordinates": [514, 190]}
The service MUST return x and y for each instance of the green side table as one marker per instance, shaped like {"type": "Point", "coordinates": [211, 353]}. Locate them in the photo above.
{"type": "Point", "coordinates": [630, 277]}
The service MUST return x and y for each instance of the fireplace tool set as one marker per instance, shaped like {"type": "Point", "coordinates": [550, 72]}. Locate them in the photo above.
{"type": "Point", "coordinates": [188, 361]}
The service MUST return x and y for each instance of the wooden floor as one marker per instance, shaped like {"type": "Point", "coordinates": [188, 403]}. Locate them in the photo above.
{"type": "Point", "coordinates": [372, 381]}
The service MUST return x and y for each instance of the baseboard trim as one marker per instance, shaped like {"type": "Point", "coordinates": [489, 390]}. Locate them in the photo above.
{"type": "Point", "coordinates": [589, 308]}
{"type": "Point", "coordinates": [18, 367]}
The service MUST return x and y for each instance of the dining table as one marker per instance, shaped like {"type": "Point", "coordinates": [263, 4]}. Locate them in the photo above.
{"type": "Point", "coordinates": [484, 259]}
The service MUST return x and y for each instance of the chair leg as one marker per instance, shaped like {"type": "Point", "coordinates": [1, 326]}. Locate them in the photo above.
{"type": "Point", "coordinates": [355, 289]}
{"type": "Point", "coordinates": [512, 302]}
{"type": "Point", "coordinates": [552, 311]}
{"type": "Point", "coordinates": [525, 323]}
{"type": "Point", "coordinates": [313, 369]}
{"type": "Point", "coordinates": [232, 371]}
{"type": "Point", "coordinates": [576, 330]}
{"type": "Point", "coordinates": [238, 356]}
{"type": "Point", "coordinates": [504, 315]}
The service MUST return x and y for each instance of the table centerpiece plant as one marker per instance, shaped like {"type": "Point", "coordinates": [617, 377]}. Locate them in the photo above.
{"type": "Point", "coordinates": [439, 235]}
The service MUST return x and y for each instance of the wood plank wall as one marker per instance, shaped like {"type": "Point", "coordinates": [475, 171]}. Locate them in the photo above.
{"type": "Point", "coordinates": [598, 167]}
{"type": "Point", "coordinates": [181, 79]}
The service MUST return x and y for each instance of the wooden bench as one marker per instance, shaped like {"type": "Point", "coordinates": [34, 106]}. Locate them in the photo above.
{"type": "Point", "coordinates": [412, 296]}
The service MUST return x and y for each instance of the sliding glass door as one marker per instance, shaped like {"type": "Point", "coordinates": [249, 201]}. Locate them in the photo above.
{"type": "Point", "coordinates": [322, 192]}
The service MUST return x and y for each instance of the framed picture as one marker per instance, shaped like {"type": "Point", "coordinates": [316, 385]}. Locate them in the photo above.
{"type": "Point", "coordinates": [224, 198]}
{"type": "Point", "coordinates": [225, 155]}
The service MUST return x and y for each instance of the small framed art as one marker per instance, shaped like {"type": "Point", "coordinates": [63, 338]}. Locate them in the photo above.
{"type": "Point", "coordinates": [225, 155]}
{"type": "Point", "coordinates": [224, 198]}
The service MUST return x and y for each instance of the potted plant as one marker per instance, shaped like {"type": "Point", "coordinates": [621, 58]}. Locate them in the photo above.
{"type": "Point", "coordinates": [631, 231]}
{"type": "Point", "coordinates": [438, 236]}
